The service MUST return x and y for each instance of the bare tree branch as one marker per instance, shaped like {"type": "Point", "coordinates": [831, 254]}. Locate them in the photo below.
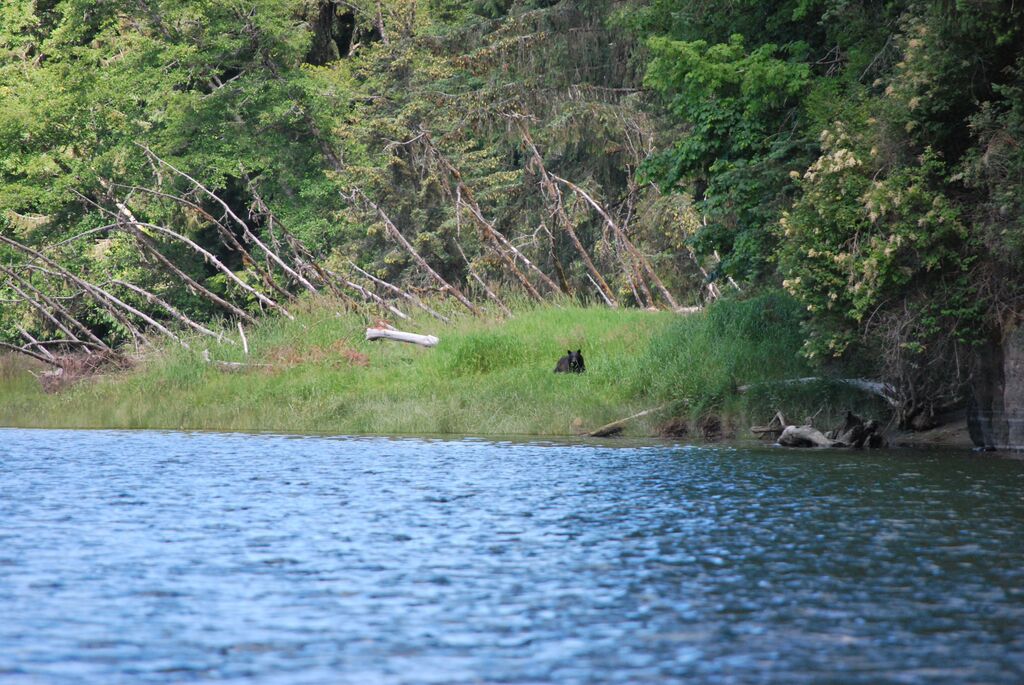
{"type": "Point", "coordinates": [397, 236]}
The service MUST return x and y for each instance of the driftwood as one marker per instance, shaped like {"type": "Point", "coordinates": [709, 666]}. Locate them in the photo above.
{"type": "Point", "coordinates": [854, 432]}
{"type": "Point", "coordinates": [805, 436]}
{"type": "Point", "coordinates": [616, 427]}
{"type": "Point", "coordinates": [773, 429]}
{"type": "Point", "coordinates": [401, 336]}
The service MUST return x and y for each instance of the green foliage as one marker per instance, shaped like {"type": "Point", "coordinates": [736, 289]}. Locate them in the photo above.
{"type": "Point", "coordinates": [485, 352]}
{"type": "Point", "coordinates": [699, 362]}
{"type": "Point", "coordinates": [995, 169]}
{"type": "Point", "coordinates": [320, 375]}
{"type": "Point", "coordinates": [865, 154]}
{"type": "Point", "coordinates": [856, 239]}
{"type": "Point", "coordinates": [737, 102]}
{"type": "Point", "coordinates": [872, 166]}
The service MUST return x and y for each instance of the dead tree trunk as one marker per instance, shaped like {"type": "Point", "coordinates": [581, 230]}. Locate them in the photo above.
{"type": "Point", "coordinates": [249, 235]}
{"type": "Point", "coordinates": [397, 236]}
{"type": "Point", "coordinates": [473, 274]}
{"type": "Point", "coordinates": [555, 197]}
{"type": "Point", "coordinates": [502, 246]}
{"type": "Point", "coordinates": [33, 343]}
{"type": "Point", "coordinates": [30, 353]}
{"type": "Point", "coordinates": [54, 306]}
{"type": "Point", "coordinates": [371, 296]}
{"type": "Point", "coordinates": [101, 296]}
{"type": "Point", "coordinates": [107, 302]}
{"type": "Point", "coordinates": [640, 258]}
{"type": "Point", "coordinates": [401, 293]}
{"type": "Point", "coordinates": [190, 283]}
{"type": "Point", "coordinates": [170, 309]}
{"type": "Point", "coordinates": [217, 264]}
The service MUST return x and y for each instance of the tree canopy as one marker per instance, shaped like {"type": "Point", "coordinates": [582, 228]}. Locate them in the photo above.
{"type": "Point", "coordinates": [173, 163]}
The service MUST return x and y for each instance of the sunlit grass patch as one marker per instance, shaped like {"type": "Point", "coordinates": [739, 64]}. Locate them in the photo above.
{"type": "Point", "coordinates": [487, 376]}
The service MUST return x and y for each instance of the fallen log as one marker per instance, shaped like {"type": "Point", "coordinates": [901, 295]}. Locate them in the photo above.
{"type": "Point", "coordinates": [401, 336]}
{"type": "Point", "coordinates": [773, 429]}
{"type": "Point", "coordinates": [854, 432]}
{"type": "Point", "coordinates": [805, 436]}
{"type": "Point", "coordinates": [232, 366]}
{"type": "Point", "coordinates": [616, 427]}
{"type": "Point", "coordinates": [883, 390]}
{"type": "Point", "coordinates": [26, 351]}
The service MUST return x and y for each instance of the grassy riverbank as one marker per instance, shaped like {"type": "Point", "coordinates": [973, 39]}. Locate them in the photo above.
{"type": "Point", "coordinates": [486, 377]}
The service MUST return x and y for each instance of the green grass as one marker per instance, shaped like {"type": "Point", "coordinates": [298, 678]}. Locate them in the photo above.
{"type": "Point", "coordinates": [486, 377]}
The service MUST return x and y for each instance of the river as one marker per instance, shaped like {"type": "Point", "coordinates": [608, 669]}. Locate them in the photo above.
{"type": "Point", "coordinates": [159, 557]}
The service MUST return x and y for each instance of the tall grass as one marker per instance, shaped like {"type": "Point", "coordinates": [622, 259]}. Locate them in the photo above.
{"type": "Point", "coordinates": [486, 377]}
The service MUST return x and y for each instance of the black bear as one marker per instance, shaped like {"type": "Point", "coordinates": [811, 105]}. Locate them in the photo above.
{"type": "Point", "coordinates": [571, 363]}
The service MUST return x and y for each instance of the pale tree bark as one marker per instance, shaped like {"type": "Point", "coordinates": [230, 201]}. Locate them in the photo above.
{"type": "Point", "coordinates": [555, 197]}
{"type": "Point", "coordinates": [370, 296]}
{"type": "Point", "coordinates": [626, 242]}
{"type": "Point", "coordinates": [249, 235]}
{"type": "Point", "coordinates": [52, 306]}
{"type": "Point", "coordinates": [228, 238]}
{"type": "Point", "coordinates": [170, 309]}
{"type": "Point", "coordinates": [106, 301]}
{"type": "Point", "coordinates": [30, 353]}
{"type": "Point", "coordinates": [100, 295]}
{"type": "Point", "coordinates": [210, 259]}
{"type": "Point", "coordinates": [490, 232]}
{"type": "Point", "coordinates": [469, 266]}
{"type": "Point", "coordinates": [190, 282]}
{"type": "Point", "coordinates": [34, 344]}
{"type": "Point", "coordinates": [401, 293]}
{"type": "Point", "coordinates": [397, 236]}
{"type": "Point", "coordinates": [134, 229]}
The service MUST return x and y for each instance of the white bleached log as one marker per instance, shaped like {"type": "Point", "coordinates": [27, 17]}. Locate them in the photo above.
{"type": "Point", "coordinates": [806, 436]}
{"type": "Point", "coordinates": [401, 336]}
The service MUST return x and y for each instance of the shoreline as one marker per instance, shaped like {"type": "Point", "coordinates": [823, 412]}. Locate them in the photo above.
{"type": "Point", "coordinates": [950, 437]}
{"type": "Point", "coordinates": [674, 378]}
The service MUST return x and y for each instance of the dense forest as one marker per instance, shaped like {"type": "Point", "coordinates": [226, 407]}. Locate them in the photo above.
{"type": "Point", "coordinates": [169, 165]}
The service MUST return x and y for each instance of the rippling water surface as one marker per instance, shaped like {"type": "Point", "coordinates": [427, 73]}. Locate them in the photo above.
{"type": "Point", "coordinates": [138, 557]}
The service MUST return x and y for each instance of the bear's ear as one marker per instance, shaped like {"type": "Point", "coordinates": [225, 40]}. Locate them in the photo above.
{"type": "Point", "coordinates": [579, 351]}
{"type": "Point", "coordinates": [569, 352]}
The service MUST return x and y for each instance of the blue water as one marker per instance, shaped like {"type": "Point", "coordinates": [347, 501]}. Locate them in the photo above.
{"type": "Point", "coordinates": [149, 557]}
